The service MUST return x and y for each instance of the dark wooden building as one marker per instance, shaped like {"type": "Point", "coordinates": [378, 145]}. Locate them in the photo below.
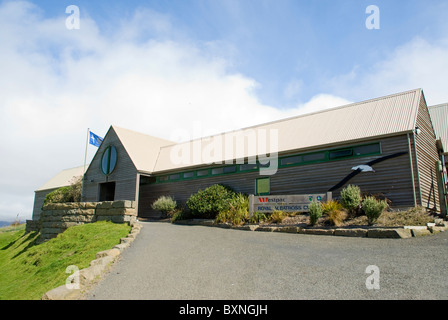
{"type": "Point", "coordinates": [386, 146]}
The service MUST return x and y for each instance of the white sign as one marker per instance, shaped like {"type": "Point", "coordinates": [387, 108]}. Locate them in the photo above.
{"type": "Point", "coordinates": [286, 203]}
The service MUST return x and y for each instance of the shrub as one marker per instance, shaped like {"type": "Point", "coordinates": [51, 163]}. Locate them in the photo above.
{"type": "Point", "coordinates": [330, 206]}
{"type": "Point", "coordinates": [351, 198]}
{"type": "Point", "coordinates": [165, 204]}
{"type": "Point", "coordinates": [180, 214]}
{"type": "Point", "coordinates": [336, 217]}
{"type": "Point", "coordinates": [373, 208]}
{"type": "Point", "coordinates": [71, 193]}
{"type": "Point", "coordinates": [334, 212]}
{"type": "Point", "coordinates": [238, 211]}
{"type": "Point", "coordinates": [315, 212]}
{"type": "Point", "coordinates": [277, 216]}
{"type": "Point", "coordinates": [211, 201]}
{"type": "Point", "coordinates": [258, 217]}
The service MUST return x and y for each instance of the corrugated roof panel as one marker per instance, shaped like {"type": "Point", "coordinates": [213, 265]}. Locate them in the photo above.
{"type": "Point", "coordinates": [377, 117]}
{"type": "Point", "coordinates": [142, 148]}
{"type": "Point", "coordinates": [63, 178]}
{"type": "Point", "coordinates": [439, 119]}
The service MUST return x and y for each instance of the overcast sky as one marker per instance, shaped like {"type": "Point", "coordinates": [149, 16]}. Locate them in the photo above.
{"type": "Point", "coordinates": [160, 66]}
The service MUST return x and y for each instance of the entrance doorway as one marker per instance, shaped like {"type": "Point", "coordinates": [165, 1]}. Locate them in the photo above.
{"type": "Point", "coordinates": [107, 191]}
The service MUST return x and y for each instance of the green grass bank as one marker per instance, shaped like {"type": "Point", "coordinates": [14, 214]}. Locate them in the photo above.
{"type": "Point", "coordinates": [29, 269]}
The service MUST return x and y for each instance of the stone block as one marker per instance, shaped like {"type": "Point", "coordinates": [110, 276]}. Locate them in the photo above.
{"type": "Point", "coordinates": [121, 246]}
{"type": "Point", "coordinates": [389, 233]}
{"type": "Point", "coordinates": [436, 229]}
{"type": "Point", "coordinates": [104, 205]}
{"type": "Point", "coordinates": [103, 261]}
{"type": "Point", "coordinates": [324, 232]}
{"type": "Point", "coordinates": [51, 230]}
{"type": "Point", "coordinates": [249, 227]}
{"type": "Point", "coordinates": [62, 293]}
{"type": "Point", "coordinates": [123, 204]}
{"type": "Point", "coordinates": [288, 229]}
{"type": "Point", "coordinates": [32, 226]}
{"type": "Point", "coordinates": [90, 205]}
{"type": "Point", "coordinates": [420, 232]}
{"type": "Point", "coordinates": [358, 232]}
{"type": "Point", "coordinates": [90, 274]}
{"type": "Point", "coordinates": [266, 228]}
{"type": "Point", "coordinates": [110, 252]}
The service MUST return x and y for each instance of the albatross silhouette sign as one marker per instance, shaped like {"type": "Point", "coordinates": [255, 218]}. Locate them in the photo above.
{"type": "Point", "coordinates": [286, 203]}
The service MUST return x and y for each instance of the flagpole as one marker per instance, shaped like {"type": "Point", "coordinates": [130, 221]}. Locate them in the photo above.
{"type": "Point", "coordinates": [85, 160]}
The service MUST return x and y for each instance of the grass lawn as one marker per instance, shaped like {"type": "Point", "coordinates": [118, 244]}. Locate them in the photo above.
{"type": "Point", "coordinates": [28, 269]}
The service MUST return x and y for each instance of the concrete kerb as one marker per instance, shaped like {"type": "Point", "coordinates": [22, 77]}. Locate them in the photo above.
{"type": "Point", "coordinates": [366, 232]}
{"type": "Point", "coordinates": [98, 267]}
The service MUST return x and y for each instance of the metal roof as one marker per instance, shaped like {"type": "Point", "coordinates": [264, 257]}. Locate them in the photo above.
{"type": "Point", "coordinates": [439, 119]}
{"type": "Point", "coordinates": [383, 116]}
{"type": "Point", "coordinates": [63, 178]}
{"type": "Point", "coordinates": [143, 149]}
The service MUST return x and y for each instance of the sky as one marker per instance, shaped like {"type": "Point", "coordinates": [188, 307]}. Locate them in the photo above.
{"type": "Point", "coordinates": [220, 65]}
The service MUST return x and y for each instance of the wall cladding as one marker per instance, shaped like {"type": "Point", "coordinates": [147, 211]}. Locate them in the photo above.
{"type": "Point", "coordinates": [57, 217]}
{"type": "Point", "coordinates": [392, 178]}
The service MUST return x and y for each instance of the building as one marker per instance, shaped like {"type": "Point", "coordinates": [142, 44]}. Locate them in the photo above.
{"type": "Point", "coordinates": [386, 146]}
{"type": "Point", "coordinates": [62, 179]}
{"type": "Point", "coordinates": [439, 116]}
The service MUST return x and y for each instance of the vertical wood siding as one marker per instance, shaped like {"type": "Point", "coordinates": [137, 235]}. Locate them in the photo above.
{"type": "Point", "coordinates": [125, 173]}
{"type": "Point", "coordinates": [392, 179]}
{"type": "Point", "coordinates": [39, 197]}
{"type": "Point", "coordinates": [426, 156]}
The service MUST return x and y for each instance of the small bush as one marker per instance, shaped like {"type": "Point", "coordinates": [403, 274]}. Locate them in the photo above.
{"type": "Point", "coordinates": [180, 214]}
{"type": "Point", "coordinates": [165, 204]}
{"type": "Point", "coordinates": [211, 201]}
{"type": "Point", "coordinates": [277, 216]}
{"type": "Point", "coordinates": [258, 217]}
{"type": "Point", "coordinates": [336, 217]}
{"type": "Point", "coordinates": [351, 198]}
{"type": "Point", "coordinates": [315, 212]}
{"type": "Point", "coordinates": [71, 193]}
{"type": "Point", "coordinates": [238, 212]}
{"type": "Point", "coordinates": [373, 208]}
{"type": "Point", "coordinates": [330, 206]}
{"type": "Point", "coordinates": [334, 212]}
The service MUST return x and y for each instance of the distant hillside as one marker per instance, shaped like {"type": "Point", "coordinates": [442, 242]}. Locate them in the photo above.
{"type": "Point", "coordinates": [5, 223]}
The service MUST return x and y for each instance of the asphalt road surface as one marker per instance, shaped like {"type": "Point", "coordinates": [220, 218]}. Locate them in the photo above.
{"type": "Point", "coordinates": [169, 261]}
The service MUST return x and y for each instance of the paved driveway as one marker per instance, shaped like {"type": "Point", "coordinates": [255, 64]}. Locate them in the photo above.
{"type": "Point", "coordinates": [169, 261]}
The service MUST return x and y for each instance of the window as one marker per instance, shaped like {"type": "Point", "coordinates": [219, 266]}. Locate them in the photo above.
{"type": "Point", "coordinates": [314, 157]}
{"type": "Point", "coordinates": [175, 176]}
{"type": "Point", "coordinates": [248, 166]}
{"type": "Point", "coordinates": [367, 149]}
{"type": "Point", "coordinates": [201, 173]}
{"type": "Point", "coordinates": [187, 175]}
{"type": "Point", "coordinates": [230, 169]}
{"type": "Point", "coordinates": [262, 186]}
{"type": "Point", "coordinates": [163, 178]}
{"type": "Point", "coordinates": [109, 160]}
{"type": "Point", "coordinates": [217, 170]}
{"type": "Point", "coordinates": [337, 154]}
{"type": "Point", "coordinates": [290, 160]}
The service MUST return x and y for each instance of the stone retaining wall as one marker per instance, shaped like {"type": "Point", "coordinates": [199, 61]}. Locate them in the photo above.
{"type": "Point", "coordinates": [57, 217]}
{"type": "Point", "coordinates": [369, 232]}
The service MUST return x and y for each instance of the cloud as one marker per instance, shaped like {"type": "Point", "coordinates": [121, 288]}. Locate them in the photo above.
{"type": "Point", "coordinates": [56, 83]}
{"type": "Point", "coordinates": [419, 63]}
